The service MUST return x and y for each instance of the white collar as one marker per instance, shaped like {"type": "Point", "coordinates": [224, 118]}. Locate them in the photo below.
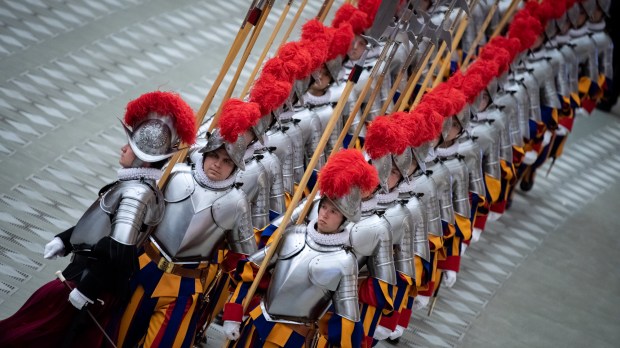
{"type": "Point", "coordinates": [139, 173]}
{"type": "Point", "coordinates": [578, 32]}
{"type": "Point", "coordinates": [201, 177]}
{"type": "Point", "coordinates": [310, 99]}
{"type": "Point", "coordinates": [332, 239]}
{"type": "Point", "coordinates": [387, 198]}
{"type": "Point", "coordinates": [370, 204]}
{"type": "Point", "coordinates": [430, 156]}
{"type": "Point", "coordinates": [448, 151]}
{"type": "Point", "coordinates": [600, 26]}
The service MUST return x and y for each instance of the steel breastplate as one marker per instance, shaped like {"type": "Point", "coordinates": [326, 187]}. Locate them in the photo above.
{"type": "Point", "coordinates": [417, 211]}
{"type": "Point", "coordinates": [189, 231]}
{"type": "Point", "coordinates": [425, 186]}
{"type": "Point", "coordinates": [304, 279]}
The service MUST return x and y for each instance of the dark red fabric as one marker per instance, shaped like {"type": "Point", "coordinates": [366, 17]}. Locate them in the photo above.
{"type": "Point", "coordinates": [47, 316]}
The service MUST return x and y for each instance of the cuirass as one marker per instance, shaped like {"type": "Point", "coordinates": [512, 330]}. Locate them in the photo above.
{"type": "Point", "coordinates": [195, 223]}
{"type": "Point", "coordinates": [305, 278]}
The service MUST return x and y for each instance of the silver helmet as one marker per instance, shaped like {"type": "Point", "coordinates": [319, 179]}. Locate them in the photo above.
{"type": "Point", "coordinates": [403, 163]}
{"type": "Point", "coordinates": [154, 139]}
{"type": "Point", "coordinates": [349, 205]}
{"type": "Point", "coordinates": [333, 67]}
{"type": "Point", "coordinates": [235, 150]}
{"type": "Point", "coordinates": [574, 13]}
{"type": "Point", "coordinates": [383, 165]}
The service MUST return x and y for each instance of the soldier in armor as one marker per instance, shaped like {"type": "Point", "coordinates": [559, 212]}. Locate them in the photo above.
{"type": "Point", "coordinates": [104, 242]}
{"type": "Point", "coordinates": [205, 211]}
{"type": "Point", "coordinates": [386, 144]}
{"type": "Point", "coordinates": [313, 269]}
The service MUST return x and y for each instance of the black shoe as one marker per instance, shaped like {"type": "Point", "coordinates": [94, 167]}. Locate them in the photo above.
{"type": "Point", "coordinates": [392, 341]}
{"type": "Point", "coordinates": [527, 183]}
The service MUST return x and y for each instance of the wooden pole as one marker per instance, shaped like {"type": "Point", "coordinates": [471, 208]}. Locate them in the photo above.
{"type": "Point", "coordinates": [242, 61]}
{"type": "Point", "coordinates": [293, 22]}
{"type": "Point", "coordinates": [263, 54]}
{"type": "Point", "coordinates": [246, 26]}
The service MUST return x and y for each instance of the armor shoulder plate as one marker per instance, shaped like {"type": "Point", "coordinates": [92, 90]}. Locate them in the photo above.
{"type": "Point", "coordinates": [327, 270]}
{"type": "Point", "coordinates": [181, 184]}
{"type": "Point", "coordinates": [366, 235]}
{"type": "Point", "coordinates": [293, 241]}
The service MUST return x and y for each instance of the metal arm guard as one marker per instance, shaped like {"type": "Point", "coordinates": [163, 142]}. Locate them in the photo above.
{"type": "Point", "coordinates": [401, 224]}
{"type": "Point", "coordinates": [324, 113]}
{"type": "Point", "coordinates": [274, 171]}
{"type": "Point", "coordinates": [606, 52]}
{"type": "Point", "coordinates": [503, 128]}
{"type": "Point", "coordinates": [472, 152]}
{"type": "Point", "coordinates": [119, 213]}
{"type": "Point", "coordinates": [371, 237]}
{"type": "Point", "coordinates": [488, 136]}
{"type": "Point", "coordinates": [586, 50]}
{"type": "Point", "coordinates": [441, 176]}
{"type": "Point", "coordinates": [506, 101]}
{"type": "Point", "coordinates": [423, 186]}
{"type": "Point", "coordinates": [311, 128]}
{"type": "Point", "coordinates": [256, 187]}
{"type": "Point", "coordinates": [285, 150]}
{"type": "Point", "coordinates": [545, 77]}
{"type": "Point", "coordinates": [523, 107]}
{"type": "Point", "coordinates": [460, 183]}
{"type": "Point", "coordinates": [559, 64]}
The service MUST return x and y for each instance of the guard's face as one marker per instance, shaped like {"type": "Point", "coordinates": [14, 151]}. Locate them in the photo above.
{"type": "Point", "coordinates": [322, 79]}
{"type": "Point", "coordinates": [127, 156]}
{"type": "Point", "coordinates": [218, 165]}
{"type": "Point", "coordinates": [455, 130]}
{"type": "Point", "coordinates": [357, 48]}
{"type": "Point", "coordinates": [394, 177]}
{"type": "Point", "coordinates": [330, 218]}
{"type": "Point", "coordinates": [485, 100]}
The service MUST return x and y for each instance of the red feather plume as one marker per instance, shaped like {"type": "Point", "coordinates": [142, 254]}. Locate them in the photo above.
{"type": "Point", "coordinates": [370, 8]}
{"type": "Point", "coordinates": [237, 117]}
{"type": "Point", "coordinates": [163, 103]}
{"type": "Point", "coordinates": [297, 59]}
{"type": "Point", "coordinates": [383, 137]}
{"type": "Point", "coordinates": [341, 41]}
{"type": "Point", "coordinates": [270, 93]}
{"type": "Point", "coordinates": [345, 170]}
{"type": "Point", "coordinates": [277, 68]}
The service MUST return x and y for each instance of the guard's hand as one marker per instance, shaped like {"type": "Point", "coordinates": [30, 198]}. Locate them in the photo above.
{"type": "Point", "coordinates": [54, 249]}
{"type": "Point", "coordinates": [530, 157]}
{"type": "Point", "coordinates": [381, 333]}
{"type": "Point", "coordinates": [420, 302]}
{"type": "Point", "coordinates": [231, 329]}
{"type": "Point", "coordinates": [449, 278]}
{"type": "Point", "coordinates": [397, 332]}
{"type": "Point", "coordinates": [78, 300]}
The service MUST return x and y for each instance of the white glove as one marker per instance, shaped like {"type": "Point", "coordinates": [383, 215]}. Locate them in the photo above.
{"type": "Point", "coordinates": [475, 234]}
{"type": "Point", "coordinates": [493, 216]}
{"type": "Point", "coordinates": [231, 329]}
{"type": "Point", "coordinates": [449, 278]}
{"type": "Point", "coordinates": [78, 300]}
{"type": "Point", "coordinates": [546, 138]}
{"type": "Point", "coordinates": [381, 333]}
{"type": "Point", "coordinates": [530, 157]}
{"type": "Point", "coordinates": [397, 332]}
{"type": "Point", "coordinates": [420, 302]}
{"type": "Point", "coordinates": [581, 112]}
{"type": "Point", "coordinates": [463, 248]}
{"type": "Point", "coordinates": [53, 249]}
{"type": "Point", "coordinates": [561, 131]}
